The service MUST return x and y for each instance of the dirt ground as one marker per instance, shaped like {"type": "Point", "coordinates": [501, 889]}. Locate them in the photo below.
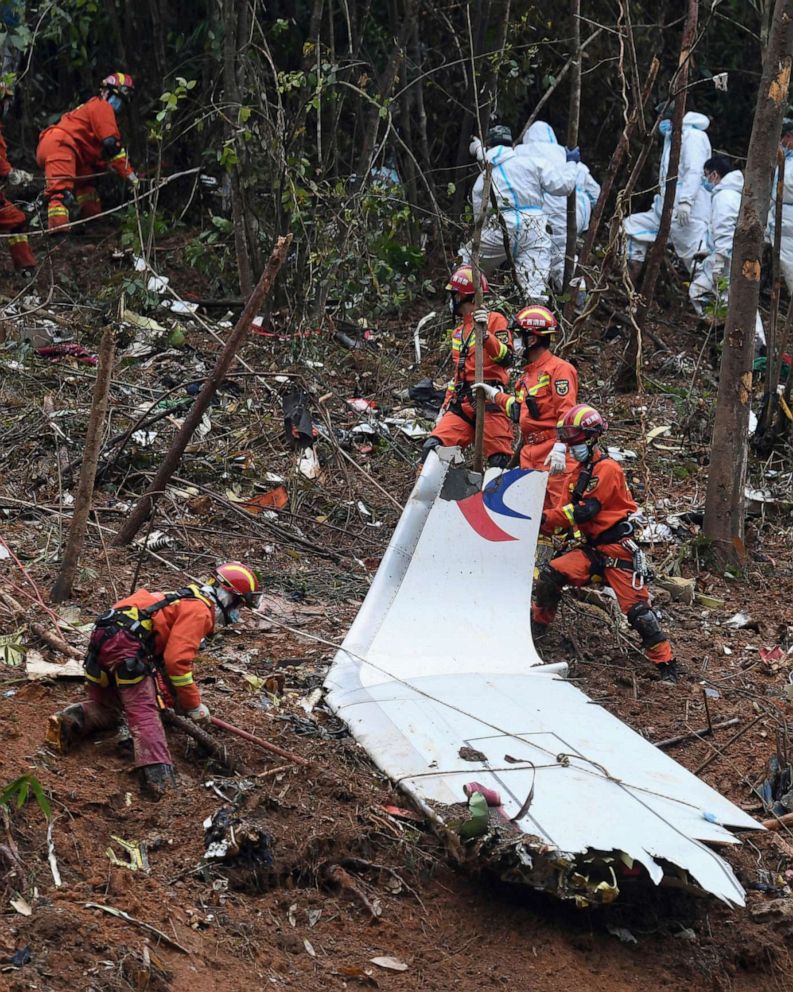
{"type": "Point", "coordinates": [352, 879]}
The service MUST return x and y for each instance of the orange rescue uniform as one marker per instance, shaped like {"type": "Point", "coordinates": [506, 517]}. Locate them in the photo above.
{"type": "Point", "coordinates": [85, 141]}
{"type": "Point", "coordinates": [458, 424]}
{"type": "Point", "coordinates": [178, 632]}
{"type": "Point", "coordinates": [605, 503]}
{"type": "Point", "coordinates": [546, 390]}
{"type": "Point", "coordinates": [12, 220]}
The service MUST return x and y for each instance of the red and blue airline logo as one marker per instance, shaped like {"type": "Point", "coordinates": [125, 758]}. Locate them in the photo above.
{"type": "Point", "coordinates": [477, 509]}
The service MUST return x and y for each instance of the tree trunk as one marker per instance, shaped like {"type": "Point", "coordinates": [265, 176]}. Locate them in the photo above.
{"type": "Point", "coordinates": [385, 88]}
{"type": "Point", "coordinates": [572, 141]}
{"type": "Point", "coordinates": [62, 588]}
{"type": "Point", "coordinates": [724, 503]}
{"type": "Point", "coordinates": [631, 368]}
{"type": "Point", "coordinates": [611, 176]}
{"type": "Point", "coordinates": [232, 22]}
{"type": "Point", "coordinates": [192, 420]}
{"type": "Point", "coordinates": [763, 439]}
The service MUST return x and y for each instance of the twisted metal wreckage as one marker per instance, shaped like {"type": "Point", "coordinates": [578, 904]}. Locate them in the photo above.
{"type": "Point", "coordinates": [440, 682]}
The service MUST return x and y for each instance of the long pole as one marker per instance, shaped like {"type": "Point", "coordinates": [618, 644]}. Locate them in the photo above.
{"type": "Point", "coordinates": [479, 329]}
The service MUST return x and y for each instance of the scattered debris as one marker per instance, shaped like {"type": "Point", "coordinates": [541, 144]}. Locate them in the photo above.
{"type": "Point", "coordinates": [37, 668]}
{"type": "Point", "coordinates": [389, 963]}
{"type": "Point", "coordinates": [243, 846]}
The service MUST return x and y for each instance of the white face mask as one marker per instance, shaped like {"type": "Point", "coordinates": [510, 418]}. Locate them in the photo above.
{"type": "Point", "coordinates": [579, 451]}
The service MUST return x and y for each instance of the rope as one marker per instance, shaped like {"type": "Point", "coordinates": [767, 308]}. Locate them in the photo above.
{"type": "Point", "coordinates": [106, 213]}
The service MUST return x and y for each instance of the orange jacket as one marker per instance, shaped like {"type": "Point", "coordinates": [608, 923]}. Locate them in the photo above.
{"type": "Point", "coordinates": [497, 350]}
{"type": "Point", "coordinates": [178, 631]}
{"type": "Point", "coordinates": [605, 502]}
{"type": "Point", "coordinates": [552, 384]}
{"type": "Point", "coordinates": [86, 128]}
{"type": "Point", "coordinates": [5, 165]}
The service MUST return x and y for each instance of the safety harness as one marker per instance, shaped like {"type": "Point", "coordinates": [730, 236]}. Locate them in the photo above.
{"type": "Point", "coordinates": [619, 533]}
{"type": "Point", "coordinates": [139, 623]}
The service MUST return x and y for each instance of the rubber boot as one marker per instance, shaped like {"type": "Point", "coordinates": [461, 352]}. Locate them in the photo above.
{"type": "Point", "coordinates": [668, 672]}
{"type": "Point", "coordinates": [65, 728]}
{"type": "Point", "coordinates": [158, 780]}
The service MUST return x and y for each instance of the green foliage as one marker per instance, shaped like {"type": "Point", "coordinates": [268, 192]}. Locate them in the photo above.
{"type": "Point", "coordinates": [170, 100]}
{"type": "Point", "coordinates": [18, 792]}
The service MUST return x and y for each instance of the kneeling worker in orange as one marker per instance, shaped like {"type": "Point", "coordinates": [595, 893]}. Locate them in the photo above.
{"type": "Point", "coordinates": [546, 390]}
{"type": "Point", "coordinates": [12, 220]}
{"type": "Point", "coordinates": [456, 424]}
{"type": "Point", "coordinates": [85, 141]}
{"type": "Point", "coordinates": [598, 511]}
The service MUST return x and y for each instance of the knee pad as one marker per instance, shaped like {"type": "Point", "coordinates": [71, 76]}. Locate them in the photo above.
{"type": "Point", "coordinates": [644, 621]}
{"type": "Point", "coordinates": [548, 588]}
{"type": "Point", "coordinates": [500, 460]}
{"type": "Point", "coordinates": [429, 445]}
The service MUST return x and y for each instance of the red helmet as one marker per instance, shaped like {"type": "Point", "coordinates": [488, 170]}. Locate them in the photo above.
{"type": "Point", "coordinates": [241, 580]}
{"type": "Point", "coordinates": [535, 319]}
{"type": "Point", "coordinates": [462, 281]}
{"type": "Point", "coordinates": [582, 423]}
{"type": "Point", "coordinates": [119, 82]}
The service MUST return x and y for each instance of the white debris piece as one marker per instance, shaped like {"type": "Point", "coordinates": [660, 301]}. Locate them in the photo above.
{"type": "Point", "coordinates": [414, 692]}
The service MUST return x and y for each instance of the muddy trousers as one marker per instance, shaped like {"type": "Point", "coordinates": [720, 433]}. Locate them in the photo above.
{"type": "Point", "coordinates": [460, 428]}
{"type": "Point", "coordinates": [576, 568]}
{"type": "Point", "coordinates": [105, 705]}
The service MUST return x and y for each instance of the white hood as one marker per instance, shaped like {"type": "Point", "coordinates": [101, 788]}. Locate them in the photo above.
{"type": "Point", "coordinates": [541, 133]}
{"type": "Point", "coordinates": [698, 121]}
{"type": "Point", "coordinates": [732, 181]}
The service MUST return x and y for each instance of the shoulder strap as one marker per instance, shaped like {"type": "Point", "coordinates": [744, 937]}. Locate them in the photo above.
{"type": "Point", "coordinates": [586, 477]}
{"type": "Point", "coordinates": [190, 592]}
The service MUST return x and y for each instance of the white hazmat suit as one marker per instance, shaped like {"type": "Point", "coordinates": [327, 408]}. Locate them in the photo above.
{"type": "Point", "coordinates": [520, 184]}
{"type": "Point", "coordinates": [786, 242]}
{"type": "Point", "coordinates": [687, 235]}
{"type": "Point", "coordinates": [539, 142]}
{"type": "Point", "coordinates": [705, 288]}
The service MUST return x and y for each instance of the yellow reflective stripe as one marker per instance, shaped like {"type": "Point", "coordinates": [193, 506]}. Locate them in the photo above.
{"type": "Point", "coordinates": [180, 680]}
{"type": "Point", "coordinates": [122, 78]}
{"type": "Point", "coordinates": [199, 595]}
{"type": "Point", "coordinates": [57, 210]}
{"type": "Point", "coordinates": [121, 154]}
{"type": "Point", "coordinates": [508, 406]}
{"type": "Point", "coordinates": [568, 511]}
{"type": "Point", "coordinates": [120, 681]}
{"type": "Point", "coordinates": [583, 412]}
{"type": "Point", "coordinates": [17, 239]}
{"type": "Point", "coordinates": [542, 382]}
{"type": "Point", "coordinates": [102, 681]}
{"type": "Point", "coordinates": [502, 351]}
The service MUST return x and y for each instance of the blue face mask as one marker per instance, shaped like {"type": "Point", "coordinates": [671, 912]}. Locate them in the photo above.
{"type": "Point", "coordinates": [233, 616]}
{"type": "Point", "coordinates": [115, 102]}
{"type": "Point", "coordinates": [708, 184]}
{"type": "Point", "coordinates": [665, 128]}
{"type": "Point", "coordinates": [579, 451]}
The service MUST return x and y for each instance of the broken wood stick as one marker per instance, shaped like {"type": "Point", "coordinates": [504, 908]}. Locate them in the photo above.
{"type": "Point", "coordinates": [62, 588]}
{"type": "Point", "coordinates": [260, 742]}
{"type": "Point", "coordinates": [778, 822]}
{"type": "Point", "coordinates": [206, 740]}
{"type": "Point", "coordinates": [719, 752]}
{"type": "Point", "coordinates": [138, 923]}
{"type": "Point", "coordinates": [172, 458]}
{"type": "Point", "coordinates": [703, 732]}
